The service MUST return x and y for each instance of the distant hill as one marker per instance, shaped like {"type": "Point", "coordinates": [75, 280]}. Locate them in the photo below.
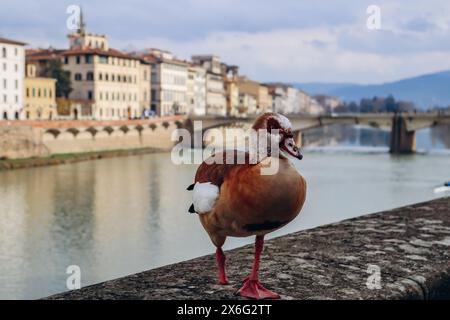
{"type": "Point", "coordinates": [424, 91]}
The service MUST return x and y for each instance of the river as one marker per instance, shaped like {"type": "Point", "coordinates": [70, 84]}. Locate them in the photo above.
{"type": "Point", "coordinates": [119, 216]}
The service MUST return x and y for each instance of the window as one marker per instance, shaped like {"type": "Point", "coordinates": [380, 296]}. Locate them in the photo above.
{"type": "Point", "coordinates": [39, 92]}
{"type": "Point", "coordinates": [34, 92]}
{"type": "Point", "coordinates": [78, 77]}
{"type": "Point", "coordinates": [5, 84]}
{"type": "Point", "coordinates": [88, 58]}
{"type": "Point", "coordinates": [103, 59]}
{"type": "Point", "coordinates": [45, 93]}
{"type": "Point", "coordinates": [16, 52]}
{"type": "Point", "coordinates": [17, 98]}
{"type": "Point", "coordinates": [112, 77]}
{"type": "Point", "coordinates": [66, 60]}
{"type": "Point", "coordinates": [16, 84]}
{"type": "Point", "coordinates": [4, 66]}
{"type": "Point", "coordinates": [100, 76]}
{"type": "Point", "coordinates": [78, 59]}
{"type": "Point", "coordinates": [89, 95]}
{"type": "Point", "coordinates": [4, 52]}
{"type": "Point", "coordinates": [28, 92]}
{"type": "Point", "coordinates": [50, 93]}
{"type": "Point", "coordinates": [106, 77]}
{"type": "Point", "coordinates": [16, 67]}
{"type": "Point", "coordinates": [5, 98]}
{"type": "Point", "coordinates": [90, 76]}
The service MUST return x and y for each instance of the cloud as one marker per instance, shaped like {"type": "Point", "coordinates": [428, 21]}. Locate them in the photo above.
{"type": "Point", "coordinates": [287, 40]}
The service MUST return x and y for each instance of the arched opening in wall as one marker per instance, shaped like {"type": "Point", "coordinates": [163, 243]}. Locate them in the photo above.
{"type": "Point", "coordinates": [75, 114]}
{"type": "Point", "coordinates": [16, 115]}
{"type": "Point", "coordinates": [5, 115]}
{"type": "Point", "coordinates": [129, 113]}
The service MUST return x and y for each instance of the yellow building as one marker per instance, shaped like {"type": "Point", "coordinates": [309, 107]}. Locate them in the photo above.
{"type": "Point", "coordinates": [264, 99]}
{"type": "Point", "coordinates": [40, 103]}
{"type": "Point", "coordinates": [258, 91]}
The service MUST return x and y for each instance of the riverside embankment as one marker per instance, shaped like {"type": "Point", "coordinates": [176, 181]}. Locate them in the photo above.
{"type": "Point", "coordinates": [404, 253]}
{"type": "Point", "coordinates": [44, 139]}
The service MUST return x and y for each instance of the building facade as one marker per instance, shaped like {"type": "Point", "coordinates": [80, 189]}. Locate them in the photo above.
{"type": "Point", "coordinates": [196, 90]}
{"type": "Point", "coordinates": [12, 73]}
{"type": "Point", "coordinates": [39, 96]}
{"type": "Point", "coordinates": [168, 82]}
{"type": "Point", "coordinates": [258, 91]}
{"type": "Point", "coordinates": [285, 98]}
{"type": "Point", "coordinates": [111, 81]}
{"type": "Point", "coordinates": [216, 103]}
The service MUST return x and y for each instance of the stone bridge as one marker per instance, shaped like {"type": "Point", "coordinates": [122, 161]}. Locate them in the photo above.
{"type": "Point", "coordinates": [402, 125]}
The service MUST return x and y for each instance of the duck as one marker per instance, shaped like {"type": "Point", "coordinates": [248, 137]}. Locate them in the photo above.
{"type": "Point", "coordinates": [233, 199]}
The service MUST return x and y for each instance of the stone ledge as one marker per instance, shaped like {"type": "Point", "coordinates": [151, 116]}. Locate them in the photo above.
{"type": "Point", "coordinates": [411, 246]}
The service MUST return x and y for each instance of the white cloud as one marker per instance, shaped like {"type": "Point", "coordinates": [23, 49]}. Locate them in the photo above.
{"type": "Point", "coordinates": [291, 41]}
{"type": "Point", "coordinates": [316, 54]}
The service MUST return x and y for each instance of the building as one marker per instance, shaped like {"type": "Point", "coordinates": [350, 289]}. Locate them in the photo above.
{"type": "Point", "coordinates": [216, 103]}
{"type": "Point", "coordinates": [168, 82]}
{"type": "Point", "coordinates": [258, 91]}
{"type": "Point", "coordinates": [110, 80]}
{"type": "Point", "coordinates": [230, 77]}
{"type": "Point", "coordinates": [247, 104]}
{"type": "Point", "coordinates": [12, 67]}
{"type": "Point", "coordinates": [196, 90]}
{"type": "Point", "coordinates": [285, 98]}
{"type": "Point", "coordinates": [264, 99]}
{"type": "Point", "coordinates": [106, 83]}
{"type": "Point", "coordinates": [328, 103]}
{"type": "Point", "coordinates": [39, 93]}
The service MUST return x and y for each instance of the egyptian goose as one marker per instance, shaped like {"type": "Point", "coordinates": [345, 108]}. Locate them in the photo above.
{"type": "Point", "coordinates": [237, 200]}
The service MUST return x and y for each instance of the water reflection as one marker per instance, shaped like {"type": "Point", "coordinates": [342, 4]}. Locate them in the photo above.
{"type": "Point", "coordinates": [114, 217]}
{"type": "Point", "coordinates": [347, 135]}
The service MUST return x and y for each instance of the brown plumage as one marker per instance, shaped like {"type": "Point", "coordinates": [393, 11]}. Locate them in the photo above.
{"type": "Point", "coordinates": [250, 203]}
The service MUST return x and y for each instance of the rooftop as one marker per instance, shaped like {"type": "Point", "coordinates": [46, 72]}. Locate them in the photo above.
{"type": "Point", "coordinates": [9, 41]}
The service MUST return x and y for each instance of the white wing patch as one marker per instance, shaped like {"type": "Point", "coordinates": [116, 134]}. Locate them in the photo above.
{"type": "Point", "coordinates": [204, 196]}
{"type": "Point", "coordinates": [284, 122]}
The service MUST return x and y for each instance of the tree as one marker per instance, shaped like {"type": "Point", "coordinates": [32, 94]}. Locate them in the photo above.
{"type": "Point", "coordinates": [54, 69]}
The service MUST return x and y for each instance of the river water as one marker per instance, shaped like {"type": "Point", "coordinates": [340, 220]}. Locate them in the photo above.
{"type": "Point", "coordinates": [119, 216]}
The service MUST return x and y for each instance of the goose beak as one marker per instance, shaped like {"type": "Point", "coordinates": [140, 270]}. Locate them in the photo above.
{"type": "Point", "coordinates": [290, 147]}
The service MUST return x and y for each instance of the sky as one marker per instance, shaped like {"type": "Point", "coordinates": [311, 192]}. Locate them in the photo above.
{"type": "Point", "coordinates": [283, 40]}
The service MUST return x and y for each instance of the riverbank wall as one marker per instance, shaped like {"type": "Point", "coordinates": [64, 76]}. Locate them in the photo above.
{"type": "Point", "coordinates": [402, 253]}
{"type": "Point", "coordinates": [22, 139]}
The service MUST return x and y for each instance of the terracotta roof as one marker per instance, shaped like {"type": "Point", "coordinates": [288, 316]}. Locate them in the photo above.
{"type": "Point", "coordinates": [97, 51]}
{"type": "Point", "coordinates": [42, 54]}
{"type": "Point", "coordinates": [9, 41]}
{"type": "Point", "coordinates": [154, 59]}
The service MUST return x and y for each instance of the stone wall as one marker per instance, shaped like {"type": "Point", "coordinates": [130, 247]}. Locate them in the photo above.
{"type": "Point", "coordinates": [406, 249]}
{"type": "Point", "coordinates": [26, 141]}
{"type": "Point", "coordinates": [21, 142]}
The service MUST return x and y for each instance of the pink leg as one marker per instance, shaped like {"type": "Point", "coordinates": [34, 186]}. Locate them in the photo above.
{"type": "Point", "coordinates": [220, 257]}
{"type": "Point", "coordinates": [252, 288]}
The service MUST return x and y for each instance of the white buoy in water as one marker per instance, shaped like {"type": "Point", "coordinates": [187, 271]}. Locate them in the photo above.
{"type": "Point", "coordinates": [441, 189]}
